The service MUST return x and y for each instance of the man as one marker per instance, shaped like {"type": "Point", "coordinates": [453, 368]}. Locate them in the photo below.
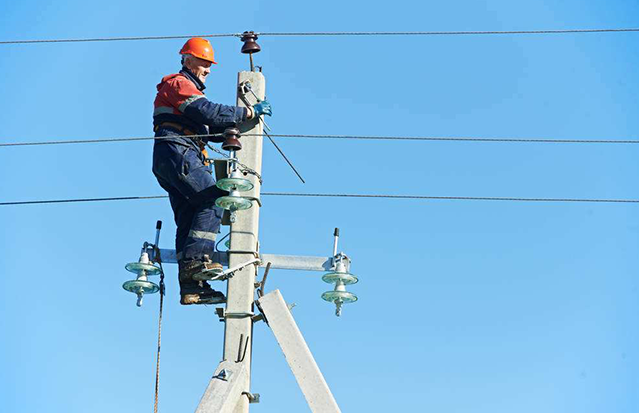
{"type": "Point", "coordinates": [179, 164]}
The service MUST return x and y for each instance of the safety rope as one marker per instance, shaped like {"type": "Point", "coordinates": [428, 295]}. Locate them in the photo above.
{"type": "Point", "coordinates": [157, 365]}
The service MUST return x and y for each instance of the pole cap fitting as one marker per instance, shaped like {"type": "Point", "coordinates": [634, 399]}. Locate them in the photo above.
{"type": "Point", "coordinates": [250, 45]}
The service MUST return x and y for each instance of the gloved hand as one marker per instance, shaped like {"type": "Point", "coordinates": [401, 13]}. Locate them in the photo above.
{"type": "Point", "coordinates": [262, 108]}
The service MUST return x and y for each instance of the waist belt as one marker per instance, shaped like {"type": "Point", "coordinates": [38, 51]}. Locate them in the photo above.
{"type": "Point", "coordinates": [178, 127]}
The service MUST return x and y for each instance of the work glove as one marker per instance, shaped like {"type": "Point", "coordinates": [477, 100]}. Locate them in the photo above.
{"type": "Point", "coordinates": [262, 108]}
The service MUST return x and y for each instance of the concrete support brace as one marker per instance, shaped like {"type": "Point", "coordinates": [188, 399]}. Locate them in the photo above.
{"type": "Point", "coordinates": [298, 355]}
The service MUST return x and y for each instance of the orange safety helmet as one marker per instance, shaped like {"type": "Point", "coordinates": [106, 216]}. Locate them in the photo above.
{"type": "Point", "coordinates": [199, 47]}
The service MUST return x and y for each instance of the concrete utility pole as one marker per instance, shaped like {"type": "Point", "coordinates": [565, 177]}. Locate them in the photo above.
{"type": "Point", "coordinates": [238, 333]}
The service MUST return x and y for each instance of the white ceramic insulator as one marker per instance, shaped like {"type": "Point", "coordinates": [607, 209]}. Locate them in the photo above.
{"type": "Point", "coordinates": [144, 258]}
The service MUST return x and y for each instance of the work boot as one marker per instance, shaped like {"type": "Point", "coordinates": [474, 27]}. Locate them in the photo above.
{"type": "Point", "coordinates": [191, 268]}
{"type": "Point", "coordinates": [199, 292]}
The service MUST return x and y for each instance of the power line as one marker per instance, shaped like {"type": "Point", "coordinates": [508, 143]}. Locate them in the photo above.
{"type": "Point", "coordinates": [448, 33]}
{"type": "Point", "coordinates": [459, 139]}
{"type": "Point", "coordinates": [101, 140]}
{"type": "Point", "coordinates": [345, 137]}
{"type": "Point", "coordinates": [66, 201]}
{"type": "Point", "coordinates": [42, 143]}
{"type": "Point", "coordinates": [456, 198]}
{"type": "Point", "coordinates": [298, 34]}
{"type": "Point", "coordinates": [366, 196]}
{"type": "Point", "coordinates": [117, 39]}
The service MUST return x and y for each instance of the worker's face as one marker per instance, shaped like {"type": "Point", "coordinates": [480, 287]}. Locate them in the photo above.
{"type": "Point", "coordinates": [200, 68]}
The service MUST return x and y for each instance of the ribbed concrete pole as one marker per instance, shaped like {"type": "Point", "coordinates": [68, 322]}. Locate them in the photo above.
{"type": "Point", "coordinates": [244, 237]}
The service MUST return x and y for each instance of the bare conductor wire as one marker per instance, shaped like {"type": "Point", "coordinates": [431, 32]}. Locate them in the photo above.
{"type": "Point", "coordinates": [293, 34]}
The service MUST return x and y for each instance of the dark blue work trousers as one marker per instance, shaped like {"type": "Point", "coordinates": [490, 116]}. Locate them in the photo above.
{"type": "Point", "coordinates": [180, 170]}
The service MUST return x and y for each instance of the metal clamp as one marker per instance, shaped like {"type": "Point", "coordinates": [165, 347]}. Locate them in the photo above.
{"type": "Point", "coordinates": [223, 315]}
{"type": "Point", "coordinates": [253, 397]}
{"type": "Point", "coordinates": [244, 88]}
{"type": "Point", "coordinates": [231, 271]}
{"type": "Point", "coordinates": [254, 253]}
{"type": "Point", "coordinates": [252, 198]}
{"type": "Point", "coordinates": [211, 275]}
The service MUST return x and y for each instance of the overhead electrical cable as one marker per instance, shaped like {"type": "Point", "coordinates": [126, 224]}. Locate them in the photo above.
{"type": "Point", "coordinates": [334, 195]}
{"type": "Point", "coordinates": [453, 198]}
{"type": "Point", "coordinates": [42, 143]}
{"type": "Point", "coordinates": [459, 139]}
{"type": "Point", "coordinates": [448, 33]}
{"type": "Point", "coordinates": [99, 140]}
{"type": "Point", "coordinates": [345, 137]}
{"type": "Point", "coordinates": [66, 201]}
{"type": "Point", "coordinates": [117, 39]}
{"type": "Point", "coordinates": [298, 34]}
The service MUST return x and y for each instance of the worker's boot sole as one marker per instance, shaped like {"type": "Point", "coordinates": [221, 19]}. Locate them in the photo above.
{"type": "Point", "coordinates": [194, 292]}
{"type": "Point", "coordinates": [191, 299]}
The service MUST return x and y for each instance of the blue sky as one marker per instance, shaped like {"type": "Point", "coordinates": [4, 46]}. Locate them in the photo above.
{"type": "Point", "coordinates": [464, 306]}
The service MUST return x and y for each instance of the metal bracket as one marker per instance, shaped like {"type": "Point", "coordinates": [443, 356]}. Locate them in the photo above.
{"type": "Point", "coordinates": [340, 257]}
{"type": "Point", "coordinates": [220, 313]}
{"type": "Point", "coordinates": [223, 315]}
{"type": "Point", "coordinates": [231, 271]}
{"type": "Point", "coordinates": [225, 275]}
{"type": "Point", "coordinates": [253, 397]}
{"type": "Point", "coordinates": [278, 262]}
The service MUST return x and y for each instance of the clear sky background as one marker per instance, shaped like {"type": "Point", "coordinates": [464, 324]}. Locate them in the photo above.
{"type": "Point", "coordinates": [464, 306]}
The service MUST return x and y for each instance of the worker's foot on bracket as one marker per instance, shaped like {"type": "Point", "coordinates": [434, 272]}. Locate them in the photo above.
{"type": "Point", "coordinates": [189, 299]}
{"type": "Point", "coordinates": [200, 269]}
{"type": "Point", "coordinates": [193, 292]}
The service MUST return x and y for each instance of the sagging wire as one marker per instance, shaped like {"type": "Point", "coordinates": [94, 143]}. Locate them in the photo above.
{"type": "Point", "coordinates": [297, 34]}
{"type": "Point", "coordinates": [284, 156]}
{"type": "Point", "coordinates": [345, 137]}
{"type": "Point", "coordinates": [118, 39]}
{"type": "Point", "coordinates": [243, 89]}
{"type": "Point", "coordinates": [333, 195]}
{"type": "Point", "coordinates": [103, 140]}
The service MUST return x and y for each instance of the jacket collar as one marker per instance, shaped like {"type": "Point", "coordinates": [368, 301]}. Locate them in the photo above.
{"type": "Point", "coordinates": [189, 75]}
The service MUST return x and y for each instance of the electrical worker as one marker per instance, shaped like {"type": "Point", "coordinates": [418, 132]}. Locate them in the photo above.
{"type": "Point", "coordinates": [179, 164]}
